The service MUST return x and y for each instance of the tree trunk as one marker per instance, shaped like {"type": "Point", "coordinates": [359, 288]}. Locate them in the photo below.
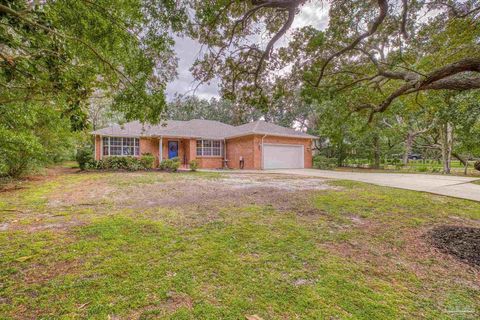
{"type": "Point", "coordinates": [463, 161]}
{"type": "Point", "coordinates": [341, 155]}
{"type": "Point", "coordinates": [376, 152]}
{"type": "Point", "coordinates": [459, 158]}
{"type": "Point", "coordinates": [446, 137]}
{"type": "Point", "coordinates": [408, 147]}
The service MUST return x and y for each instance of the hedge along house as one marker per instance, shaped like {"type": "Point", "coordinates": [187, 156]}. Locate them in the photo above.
{"type": "Point", "coordinates": [215, 145]}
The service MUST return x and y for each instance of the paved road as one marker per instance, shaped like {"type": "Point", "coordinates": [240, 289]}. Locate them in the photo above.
{"type": "Point", "coordinates": [459, 187]}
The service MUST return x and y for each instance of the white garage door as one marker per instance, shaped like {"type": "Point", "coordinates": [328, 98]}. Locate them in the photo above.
{"type": "Point", "coordinates": [282, 156]}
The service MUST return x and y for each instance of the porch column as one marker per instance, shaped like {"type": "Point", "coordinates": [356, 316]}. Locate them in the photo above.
{"type": "Point", "coordinates": [101, 147]}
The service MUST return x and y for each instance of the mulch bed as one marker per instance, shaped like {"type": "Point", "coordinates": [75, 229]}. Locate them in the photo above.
{"type": "Point", "coordinates": [461, 242]}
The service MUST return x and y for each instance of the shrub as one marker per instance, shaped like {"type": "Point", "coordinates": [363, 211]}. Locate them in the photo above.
{"type": "Point", "coordinates": [170, 164]}
{"type": "Point", "coordinates": [322, 162]}
{"type": "Point", "coordinates": [19, 153]}
{"type": "Point", "coordinates": [193, 165]}
{"type": "Point", "coordinates": [422, 168]}
{"type": "Point", "coordinates": [476, 165]}
{"type": "Point", "coordinates": [120, 163]}
{"type": "Point", "coordinates": [147, 160]}
{"type": "Point", "coordinates": [85, 158]}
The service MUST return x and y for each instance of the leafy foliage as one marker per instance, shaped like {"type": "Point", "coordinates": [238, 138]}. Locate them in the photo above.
{"type": "Point", "coordinates": [147, 160]}
{"type": "Point", "coordinates": [85, 158]}
{"type": "Point", "coordinates": [120, 163]}
{"type": "Point", "coordinates": [384, 48]}
{"type": "Point", "coordinates": [170, 164]}
{"type": "Point", "coordinates": [193, 164]}
{"type": "Point", "coordinates": [322, 162]}
{"type": "Point", "coordinates": [31, 135]}
{"type": "Point", "coordinates": [56, 54]}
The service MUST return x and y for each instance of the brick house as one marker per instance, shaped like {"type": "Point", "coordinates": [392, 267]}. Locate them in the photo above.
{"type": "Point", "coordinates": [255, 145]}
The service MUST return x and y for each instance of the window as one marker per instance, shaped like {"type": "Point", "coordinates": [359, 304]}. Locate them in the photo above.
{"type": "Point", "coordinates": [209, 148]}
{"type": "Point", "coordinates": [118, 146]}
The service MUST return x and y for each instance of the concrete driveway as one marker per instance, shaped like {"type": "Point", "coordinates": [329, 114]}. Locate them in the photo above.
{"type": "Point", "coordinates": [459, 187]}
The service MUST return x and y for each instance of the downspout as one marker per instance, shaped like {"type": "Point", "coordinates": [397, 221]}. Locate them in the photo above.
{"type": "Point", "coordinates": [262, 152]}
{"type": "Point", "coordinates": [160, 147]}
{"type": "Point", "coordinates": [225, 163]}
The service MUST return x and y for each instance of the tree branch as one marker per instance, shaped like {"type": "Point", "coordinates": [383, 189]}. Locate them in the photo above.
{"type": "Point", "coordinates": [383, 5]}
{"type": "Point", "coordinates": [403, 25]}
{"type": "Point", "coordinates": [271, 43]}
{"type": "Point", "coordinates": [449, 77]}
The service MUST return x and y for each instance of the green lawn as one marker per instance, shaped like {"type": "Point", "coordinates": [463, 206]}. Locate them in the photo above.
{"type": "Point", "coordinates": [414, 166]}
{"type": "Point", "coordinates": [196, 246]}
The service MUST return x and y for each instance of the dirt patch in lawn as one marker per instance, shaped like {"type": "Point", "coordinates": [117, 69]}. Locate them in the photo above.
{"type": "Point", "coordinates": [277, 182]}
{"type": "Point", "coordinates": [86, 193]}
{"type": "Point", "coordinates": [196, 200]}
{"type": "Point", "coordinates": [174, 302]}
{"type": "Point", "coordinates": [233, 190]}
{"type": "Point", "coordinates": [459, 241]}
{"type": "Point", "coordinates": [388, 251]}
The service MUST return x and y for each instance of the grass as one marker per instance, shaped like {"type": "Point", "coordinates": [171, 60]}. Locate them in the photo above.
{"type": "Point", "coordinates": [351, 252]}
{"type": "Point", "coordinates": [414, 166]}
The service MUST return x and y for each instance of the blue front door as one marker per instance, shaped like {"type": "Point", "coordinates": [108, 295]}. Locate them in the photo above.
{"type": "Point", "coordinates": [172, 149]}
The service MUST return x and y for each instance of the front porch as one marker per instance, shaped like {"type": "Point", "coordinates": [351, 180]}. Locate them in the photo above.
{"type": "Point", "coordinates": [208, 153]}
{"type": "Point", "coordinates": [173, 147]}
{"type": "Point", "coordinates": [186, 150]}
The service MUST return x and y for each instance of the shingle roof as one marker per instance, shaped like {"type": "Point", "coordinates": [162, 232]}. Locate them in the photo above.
{"type": "Point", "coordinates": [197, 128]}
{"type": "Point", "coordinates": [262, 127]}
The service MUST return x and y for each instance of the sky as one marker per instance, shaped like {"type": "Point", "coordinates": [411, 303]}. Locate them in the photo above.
{"type": "Point", "coordinates": [314, 13]}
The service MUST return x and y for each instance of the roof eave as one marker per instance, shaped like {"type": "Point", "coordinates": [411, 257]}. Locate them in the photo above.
{"type": "Point", "coordinates": [306, 136]}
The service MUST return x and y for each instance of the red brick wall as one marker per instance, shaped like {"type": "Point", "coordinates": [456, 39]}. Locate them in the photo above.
{"type": "Point", "coordinates": [191, 149]}
{"type": "Point", "coordinates": [240, 147]}
{"type": "Point", "coordinates": [210, 162]}
{"type": "Point", "coordinates": [250, 148]}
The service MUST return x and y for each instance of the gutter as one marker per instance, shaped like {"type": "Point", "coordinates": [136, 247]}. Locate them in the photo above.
{"type": "Point", "coordinates": [308, 136]}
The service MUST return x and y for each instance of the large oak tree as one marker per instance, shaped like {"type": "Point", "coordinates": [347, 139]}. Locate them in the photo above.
{"type": "Point", "coordinates": [397, 48]}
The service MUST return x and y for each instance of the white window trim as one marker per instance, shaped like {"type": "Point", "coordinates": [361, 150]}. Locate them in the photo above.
{"type": "Point", "coordinates": [120, 155]}
{"type": "Point", "coordinates": [202, 148]}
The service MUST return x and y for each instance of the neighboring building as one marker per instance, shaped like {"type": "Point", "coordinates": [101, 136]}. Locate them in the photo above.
{"type": "Point", "coordinates": [255, 145]}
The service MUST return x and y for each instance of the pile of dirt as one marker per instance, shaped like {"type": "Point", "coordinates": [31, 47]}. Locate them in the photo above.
{"type": "Point", "coordinates": [461, 242]}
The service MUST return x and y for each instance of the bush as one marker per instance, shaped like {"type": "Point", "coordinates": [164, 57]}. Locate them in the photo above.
{"type": "Point", "coordinates": [120, 163]}
{"type": "Point", "coordinates": [85, 158]}
{"type": "Point", "coordinates": [322, 162]}
{"type": "Point", "coordinates": [19, 153]}
{"type": "Point", "coordinates": [476, 165]}
{"type": "Point", "coordinates": [422, 168]}
{"type": "Point", "coordinates": [170, 164]}
{"type": "Point", "coordinates": [193, 165]}
{"type": "Point", "coordinates": [147, 160]}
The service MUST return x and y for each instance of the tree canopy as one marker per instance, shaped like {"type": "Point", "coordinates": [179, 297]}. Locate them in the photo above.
{"type": "Point", "coordinates": [388, 49]}
{"type": "Point", "coordinates": [55, 54]}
